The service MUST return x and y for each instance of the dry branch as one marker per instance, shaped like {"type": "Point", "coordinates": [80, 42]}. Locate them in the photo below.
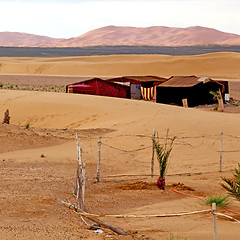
{"type": "Point", "coordinates": [94, 219]}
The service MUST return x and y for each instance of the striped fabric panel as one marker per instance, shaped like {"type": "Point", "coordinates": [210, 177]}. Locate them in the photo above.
{"type": "Point", "coordinates": [147, 93]}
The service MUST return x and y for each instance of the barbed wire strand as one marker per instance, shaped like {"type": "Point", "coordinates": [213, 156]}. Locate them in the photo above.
{"type": "Point", "coordinates": [147, 136]}
{"type": "Point", "coordinates": [122, 150]}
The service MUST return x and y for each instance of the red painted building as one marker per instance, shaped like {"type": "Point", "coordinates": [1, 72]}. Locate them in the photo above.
{"type": "Point", "coordinates": [97, 86]}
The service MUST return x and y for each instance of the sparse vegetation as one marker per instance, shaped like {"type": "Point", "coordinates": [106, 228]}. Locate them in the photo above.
{"type": "Point", "coordinates": [172, 237]}
{"type": "Point", "coordinates": [219, 200]}
{"type": "Point", "coordinates": [27, 125]}
{"type": "Point", "coordinates": [218, 96]}
{"type": "Point", "coordinates": [233, 185]}
{"type": "Point", "coordinates": [163, 152]}
{"type": "Point", "coordinates": [110, 50]}
{"type": "Point", "coordinates": [1, 85]}
{"type": "Point", "coordinates": [42, 155]}
{"type": "Point", "coordinates": [6, 118]}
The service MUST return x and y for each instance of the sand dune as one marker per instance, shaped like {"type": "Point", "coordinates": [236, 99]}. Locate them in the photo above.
{"type": "Point", "coordinates": [76, 111]}
{"type": "Point", "coordinates": [156, 36]}
{"type": "Point", "coordinates": [12, 39]}
{"type": "Point", "coordinates": [215, 65]}
{"type": "Point", "coordinates": [113, 35]}
{"type": "Point", "coordinates": [56, 110]}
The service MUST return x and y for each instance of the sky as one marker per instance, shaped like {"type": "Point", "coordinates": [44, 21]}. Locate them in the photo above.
{"type": "Point", "coordinates": [72, 18]}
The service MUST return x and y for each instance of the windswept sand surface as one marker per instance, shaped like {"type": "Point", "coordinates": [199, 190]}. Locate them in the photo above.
{"type": "Point", "coordinates": [38, 165]}
{"type": "Point", "coordinates": [32, 184]}
{"type": "Point", "coordinates": [215, 65]}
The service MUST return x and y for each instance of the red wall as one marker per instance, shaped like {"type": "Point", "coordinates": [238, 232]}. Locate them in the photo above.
{"type": "Point", "coordinates": [100, 87]}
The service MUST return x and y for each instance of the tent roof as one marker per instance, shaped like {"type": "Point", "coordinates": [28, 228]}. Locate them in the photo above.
{"type": "Point", "coordinates": [137, 79]}
{"type": "Point", "coordinates": [83, 81]}
{"type": "Point", "coordinates": [185, 81]}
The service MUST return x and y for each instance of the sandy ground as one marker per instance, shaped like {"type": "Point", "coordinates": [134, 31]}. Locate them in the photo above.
{"type": "Point", "coordinates": [38, 164]}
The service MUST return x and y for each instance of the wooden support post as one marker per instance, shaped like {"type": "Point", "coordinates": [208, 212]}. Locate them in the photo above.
{"type": "Point", "coordinates": [221, 150]}
{"type": "Point", "coordinates": [153, 151]}
{"type": "Point", "coordinates": [220, 101]}
{"type": "Point", "coordinates": [185, 102]}
{"type": "Point", "coordinates": [99, 158]}
{"type": "Point", "coordinates": [214, 220]}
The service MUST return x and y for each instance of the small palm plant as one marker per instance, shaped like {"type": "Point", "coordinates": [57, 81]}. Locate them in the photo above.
{"type": "Point", "coordinates": [163, 152]}
{"type": "Point", "coordinates": [219, 200]}
{"type": "Point", "coordinates": [233, 185]}
{"type": "Point", "coordinates": [218, 96]}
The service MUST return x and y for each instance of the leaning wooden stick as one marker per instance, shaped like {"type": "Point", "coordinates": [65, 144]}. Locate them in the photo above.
{"type": "Point", "coordinates": [99, 159]}
{"type": "Point", "coordinates": [100, 222]}
{"type": "Point", "coordinates": [226, 216]}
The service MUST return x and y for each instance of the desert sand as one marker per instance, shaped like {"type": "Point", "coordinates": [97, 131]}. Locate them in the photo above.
{"type": "Point", "coordinates": [38, 164]}
{"type": "Point", "coordinates": [214, 65]}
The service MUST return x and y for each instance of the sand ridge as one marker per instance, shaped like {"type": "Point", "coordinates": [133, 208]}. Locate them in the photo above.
{"type": "Point", "coordinates": [215, 65]}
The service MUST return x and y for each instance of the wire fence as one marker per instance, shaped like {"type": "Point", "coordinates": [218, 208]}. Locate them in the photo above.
{"type": "Point", "coordinates": [133, 155]}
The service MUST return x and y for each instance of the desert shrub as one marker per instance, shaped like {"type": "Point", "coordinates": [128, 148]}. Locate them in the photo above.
{"type": "Point", "coordinates": [42, 155]}
{"type": "Point", "coordinates": [219, 200]}
{"type": "Point", "coordinates": [172, 237]}
{"type": "Point", "coordinates": [233, 185]}
{"type": "Point", "coordinates": [1, 85]}
{"type": "Point", "coordinates": [218, 95]}
{"type": "Point", "coordinates": [27, 125]}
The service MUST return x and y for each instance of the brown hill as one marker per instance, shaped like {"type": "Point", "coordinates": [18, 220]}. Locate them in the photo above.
{"type": "Point", "coordinates": [158, 36]}
{"type": "Point", "coordinates": [18, 39]}
{"type": "Point", "coordinates": [112, 35]}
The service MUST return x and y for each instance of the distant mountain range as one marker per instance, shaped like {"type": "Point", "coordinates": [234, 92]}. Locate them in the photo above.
{"type": "Point", "coordinates": [132, 36]}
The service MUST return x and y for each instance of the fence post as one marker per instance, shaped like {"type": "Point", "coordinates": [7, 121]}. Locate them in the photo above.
{"type": "Point", "coordinates": [214, 220]}
{"type": "Point", "coordinates": [79, 152]}
{"type": "Point", "coordinates": [221, 150]}
{"type": "Point", "coordinates": [79, 188]}
{"type": "Point", "coordinates": [99, 158]}
{"type": "Point", "coordinates": [83, 183]}
{"type": "Point", "coordinates": [153, 148]}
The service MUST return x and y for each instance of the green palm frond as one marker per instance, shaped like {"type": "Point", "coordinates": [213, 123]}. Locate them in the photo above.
{"type": "Point", "coordinates": [219, 200]}
{"type": "Point", "coordinates": [233, 185]}
{"type": "Point", "coordinates": [163, 152]}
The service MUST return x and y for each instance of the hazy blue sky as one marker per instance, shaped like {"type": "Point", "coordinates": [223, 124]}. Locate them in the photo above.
{"type": "Point", "coordinates": [71, 18]}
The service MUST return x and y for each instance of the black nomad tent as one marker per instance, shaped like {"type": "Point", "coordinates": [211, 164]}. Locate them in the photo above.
{"type": "Point", "coordinates": [194, 89]}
